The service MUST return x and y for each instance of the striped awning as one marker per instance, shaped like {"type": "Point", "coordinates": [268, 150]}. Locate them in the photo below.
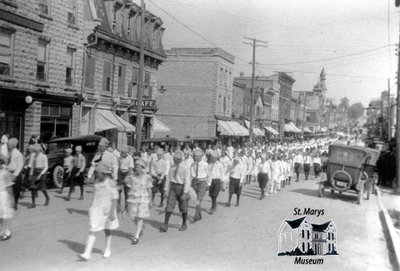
{"type": "Point", "coordinates": [258, 132]}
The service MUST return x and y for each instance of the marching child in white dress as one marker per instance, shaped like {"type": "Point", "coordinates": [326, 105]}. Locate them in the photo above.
{"type": "Point", "coordinates": [102, 213]}
{"type": "Point", "coordinates": [139, 194]}
{"type": "Point", "coordinates": [6, 200]}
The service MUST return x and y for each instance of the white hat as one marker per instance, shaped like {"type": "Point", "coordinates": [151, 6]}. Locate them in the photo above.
{"type": "Point", "coordinates": [103, 142]}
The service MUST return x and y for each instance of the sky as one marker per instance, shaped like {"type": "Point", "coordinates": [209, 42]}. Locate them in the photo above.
{"type": "Point", "coordinates": [354, 40]}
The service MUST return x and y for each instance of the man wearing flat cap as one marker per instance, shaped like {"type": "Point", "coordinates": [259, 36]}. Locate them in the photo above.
{"type": "Point", "coordinates": [159, 169]}
{"type": "Point", "coordinates": [106, 158]}
{"type": "Point", "coordinates": [177, 188]}
{"type": "Point", "coordinates": [15, 166]}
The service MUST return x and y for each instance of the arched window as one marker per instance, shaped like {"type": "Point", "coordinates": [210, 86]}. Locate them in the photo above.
{"type": "Point", "coordinates": [302, 233]}
{"type": "Point", "coordinates": [329, 247]}
{"type": "Point", "coordinates": [333, 236]}
{"type": "Point", "coordinates": [329, 236]}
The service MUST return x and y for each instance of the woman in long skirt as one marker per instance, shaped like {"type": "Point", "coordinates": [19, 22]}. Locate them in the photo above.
{"type": "Point", "coordinates": [102, 213]}
{"type": "Point", "coordinates": [139, 202]}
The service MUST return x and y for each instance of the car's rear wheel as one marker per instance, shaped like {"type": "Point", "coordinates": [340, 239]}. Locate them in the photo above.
{"type": "Point", "coordinates": [58, 176]}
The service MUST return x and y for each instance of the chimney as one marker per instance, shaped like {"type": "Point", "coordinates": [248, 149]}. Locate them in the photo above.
{"type": "Point", "coordinates": [241, 74]}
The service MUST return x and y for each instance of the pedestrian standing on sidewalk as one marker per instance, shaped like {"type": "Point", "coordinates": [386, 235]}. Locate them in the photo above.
{"type": "Point", "coordinates": [39, 166]}
{"type": "Point", "coordinates": [177, 188]}
{"type": "Point", "coordinates": [77, 173]}
{"type": "Point", "coordinates": [15, 166]}
{"type": "Point", "coordinates": [226, 162]}
{"type": "Point", "coordinates": [6, 201]}
{"type": "Point", "coordinates": [139, 194]}
{"type": "Point", "coordinates": [215, 176]}
{"type": "Point", "coordinates": [102, 213]}
{"type": "Point", "coordinates": [199, 175]}
{"type": "Point", "coordinates": [67, 169]}
{"type": "Point", "coordinates": [237, 176]}
{"type": "Point", "coordinates": [125, 169]}
{"type": "Point", "coordinates": [307, 164]}
{"type": "Point", "coordinates": [264, 174]}
{"type": "Point", "coordinates": [298, 161]}
{"type": "Point", "coordinates": [159, 170]}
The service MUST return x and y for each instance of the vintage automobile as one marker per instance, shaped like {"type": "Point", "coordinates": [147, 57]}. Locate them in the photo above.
{"type": "Point", "coordinates": [349, 168]}
{"type": "Point", "coordinates": [56, 153]}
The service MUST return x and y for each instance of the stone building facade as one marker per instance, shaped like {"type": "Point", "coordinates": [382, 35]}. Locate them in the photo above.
{"type": "Point", "coordinates": [198, 86]}
{"type": "Point", "coordinates": [41, 59]}
{"type": "Point", "coordinates": [111, 70]}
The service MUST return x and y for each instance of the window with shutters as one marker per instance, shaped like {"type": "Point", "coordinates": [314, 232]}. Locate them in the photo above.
{"type": "Point", "coordinates": [133, 85]}
{"type": "Point", "coordinates": [42, 55]}
{"type": "Point", "coordinates": [89, 71]}
{"type": "Point", "coordinates": [107, 76]}
{"type": "Point", "coordinates": [121, 79]}
{"type": "Point", "coordinates": [69, 73]}
{"type": "Point", "coordinates": [5, 52]}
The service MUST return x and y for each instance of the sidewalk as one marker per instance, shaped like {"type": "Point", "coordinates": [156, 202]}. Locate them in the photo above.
{"type": "Point", "coordinates": [389, 202]}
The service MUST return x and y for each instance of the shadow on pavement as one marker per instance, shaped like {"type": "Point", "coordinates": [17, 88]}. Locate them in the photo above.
{"type": "Point", "coordinates": [77, 211]}
{"type": "Point", "coordinates": [121, 234]}
{"type": "Point", "coordinates": [77, 247]}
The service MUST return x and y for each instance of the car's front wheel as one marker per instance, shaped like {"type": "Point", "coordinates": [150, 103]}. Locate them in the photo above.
{"type": "Point", "coordinates": [58, 176]}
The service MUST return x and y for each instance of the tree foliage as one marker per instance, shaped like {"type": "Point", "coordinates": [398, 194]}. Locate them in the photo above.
{"type": "Point", "coordinates": [344, 104]}
{"type": "Point", "coordinates": [355, 111]}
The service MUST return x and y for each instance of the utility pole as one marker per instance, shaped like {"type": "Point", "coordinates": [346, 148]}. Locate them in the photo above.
{"type": "Point", "coordinates": [389, 114]}
{"type": "Point", "coordinates": [304, 114]}
{"type": "Point", "coordinates": [141, 78]}
{"type": "Point", "coordinates": [254, 43]}
{"type": "Point", "coordinates": [397, 4]}
{"type": "Point", "coordinates": [381, 133]}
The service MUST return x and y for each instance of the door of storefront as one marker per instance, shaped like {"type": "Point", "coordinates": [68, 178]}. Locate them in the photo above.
{"type": "Point", "coordinates": [12, 117]}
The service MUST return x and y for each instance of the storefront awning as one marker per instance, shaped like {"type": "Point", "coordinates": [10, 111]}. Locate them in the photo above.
{"type": "Point", "coordinates": [232, 128]}
{"type": "Point", "coordinates": [271, 130]}
{"type": "Point", "coordinates": [288, 128]}
{"type": "Point", "coordinates": [258, 132]}
{"type": "Point", "coordinates": [295, 129]}
{"type": "Point", "coordinates": [306, 130]}
{"type": "Point", "coordinates": [106, 119]}
{"type": "Point", "coordinates": [159, 126]}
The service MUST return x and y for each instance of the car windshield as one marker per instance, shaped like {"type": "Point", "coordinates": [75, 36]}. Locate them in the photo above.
{"type": "Point", "coordinates": [58, 147]}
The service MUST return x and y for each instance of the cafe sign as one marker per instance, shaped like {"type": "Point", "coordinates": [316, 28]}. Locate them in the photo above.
{"type": "Point", "coordinates": [146, 104]}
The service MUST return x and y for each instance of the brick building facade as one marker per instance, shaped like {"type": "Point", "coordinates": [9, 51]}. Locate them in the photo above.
{"type": "Point", "coordinates": [198, 86]}
{"type": "Point", "coordinates": [41, 58]}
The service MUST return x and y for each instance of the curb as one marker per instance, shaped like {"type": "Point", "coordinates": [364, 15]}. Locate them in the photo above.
{"type": "Point", "coordinates": [388, 224]}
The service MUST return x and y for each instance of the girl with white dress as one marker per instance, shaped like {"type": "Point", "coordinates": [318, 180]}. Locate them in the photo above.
{"type": "Point", "coordinates": [6, 200]}
{"type": "Point", "coordinates": [102, 213]}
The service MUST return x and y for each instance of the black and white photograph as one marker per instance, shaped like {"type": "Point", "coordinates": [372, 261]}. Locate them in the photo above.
{"type": "Point", "coordinates": [213, 135]}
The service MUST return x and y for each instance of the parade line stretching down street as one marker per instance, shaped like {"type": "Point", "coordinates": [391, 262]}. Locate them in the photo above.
{"type": "Point", "coordinates": [127, 183]}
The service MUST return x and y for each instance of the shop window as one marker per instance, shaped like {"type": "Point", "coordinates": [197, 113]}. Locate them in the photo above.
{"type": "Point", "coordinates": [41, 68]}
{"type": "Point", "coordinates": [71, 16]}
{"type": "Point", "coordinates": [90, 71]}
{"type": "Point", "coordinates": [70, 67]}
{"type": "Point", "coordinates": [5, 52]}
{"type": "Point", "coordinates": [121, 79]}
{"type": "Point", "coordinates": [107, 76]}
{"type": "Point", "coordinates": [44, 6]}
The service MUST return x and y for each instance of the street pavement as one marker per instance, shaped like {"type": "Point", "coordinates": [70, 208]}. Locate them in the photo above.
{"type": "Point", "coordinates": [235, 238]}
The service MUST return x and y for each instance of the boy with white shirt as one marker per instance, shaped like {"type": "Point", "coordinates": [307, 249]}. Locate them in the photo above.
{"type": "Point", "coordinates": [236, 179]}
{"type": "Point", "coordinates": [199, 175]}
{"type": "Point", "coordinates": [215, 177]}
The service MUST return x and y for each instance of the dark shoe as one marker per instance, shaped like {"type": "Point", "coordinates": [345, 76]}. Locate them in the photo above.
{"type": "Point", "coordinates": [211, 211]}
{"type": "Point", "coordinates": [196, 218]}
{"type": "Point", "coordinates": [161, 205]}
{"type": "Point", "coordinates": [135, 241]}
{"type": "Point", "coordinates": [59, 191]}
{"type": "Point", "coordinates": [227, 205]}
{"type": "Point", "coordinates": [68, 198]}
{"type": "Point", "coordinates": [183, 227]}
{"type": "Point", "coordinates": [80, 198]}
{"type": "Point", "coordinates": [5, 237]}
{"type": "Point", "coordinates": [32, 206]}
{"type": "Point", "coordinates": [237, 204]}
{"type": "Point", "coordinates": [47, 202]}
{"type": "Point", "coordinates": [163, 228]}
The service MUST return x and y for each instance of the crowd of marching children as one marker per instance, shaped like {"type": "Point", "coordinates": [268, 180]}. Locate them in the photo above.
{"type": "Point", "coordinates": [127, 182]}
